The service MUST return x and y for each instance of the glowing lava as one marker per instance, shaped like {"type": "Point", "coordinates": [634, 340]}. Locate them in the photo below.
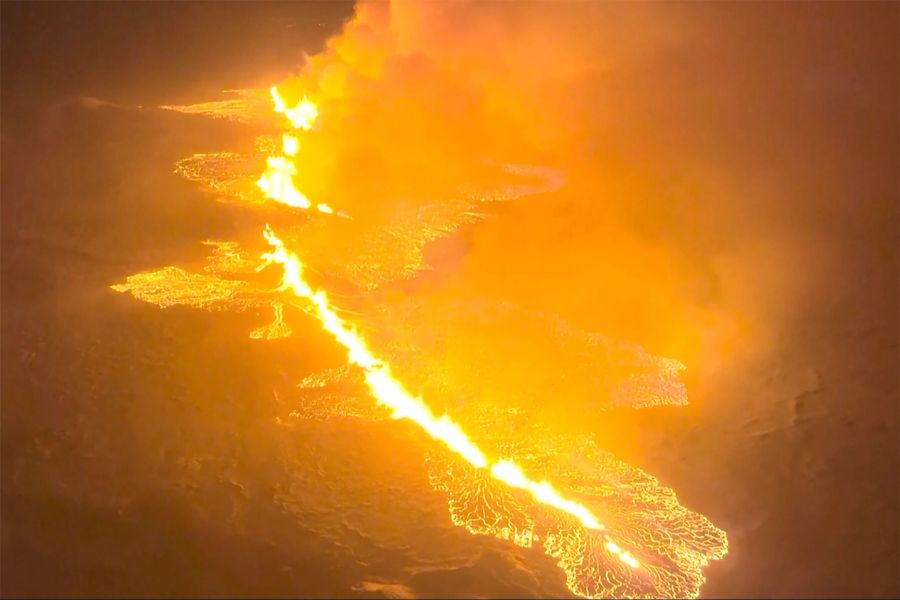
{"type": "Point", "coordinates": [391, 393]}
{"type": "Point", "coordinates": [487, 493]}
{"type": "Point", "coordinates": [302, 115]}
{"type": "Point", "coordinates": [277, 183]}
{"type": "Point", "coordinates": [290, 144]}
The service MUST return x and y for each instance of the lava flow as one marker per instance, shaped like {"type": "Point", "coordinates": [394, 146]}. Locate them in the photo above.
{"type": "Point", "coordinates": [391, 393]}
{"type": "Point", "coordinates": [278, 184]}
{"type": "Point", "coordinates": [487, 489]}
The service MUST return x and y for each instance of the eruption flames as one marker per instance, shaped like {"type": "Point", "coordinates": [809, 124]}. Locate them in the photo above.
{"type": "Point", "coordinates": [277, 183]}
{"type": "Point", "coordinates": [302, 115]}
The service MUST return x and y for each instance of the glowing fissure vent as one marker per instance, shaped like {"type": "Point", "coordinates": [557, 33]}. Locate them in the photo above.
{"type": "Point", "coordinates": [302, 116]}
{"type": "Point", "coordinates": [391, 393]}
{"type": "Point", "coordinates": [277, 182]}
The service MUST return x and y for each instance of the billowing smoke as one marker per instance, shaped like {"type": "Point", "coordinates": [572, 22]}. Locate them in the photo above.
{"type": "Point", "coordinates": [703, 165]}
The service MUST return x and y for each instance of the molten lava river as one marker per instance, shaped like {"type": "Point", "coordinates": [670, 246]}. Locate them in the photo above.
{"type": "Point", "coordinates": [435, 365]}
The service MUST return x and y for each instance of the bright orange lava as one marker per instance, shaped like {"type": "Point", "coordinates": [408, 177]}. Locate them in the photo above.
{"type": "Point", "coordinates": [277, 183]}
{"type": "Point", "coordinates": [390, 392]}
{"type": "Point", "coordinates": [673, 543]}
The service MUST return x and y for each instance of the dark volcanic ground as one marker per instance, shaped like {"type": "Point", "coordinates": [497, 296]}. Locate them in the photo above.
{"type": "Point", "coordinates": [139, 450]}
